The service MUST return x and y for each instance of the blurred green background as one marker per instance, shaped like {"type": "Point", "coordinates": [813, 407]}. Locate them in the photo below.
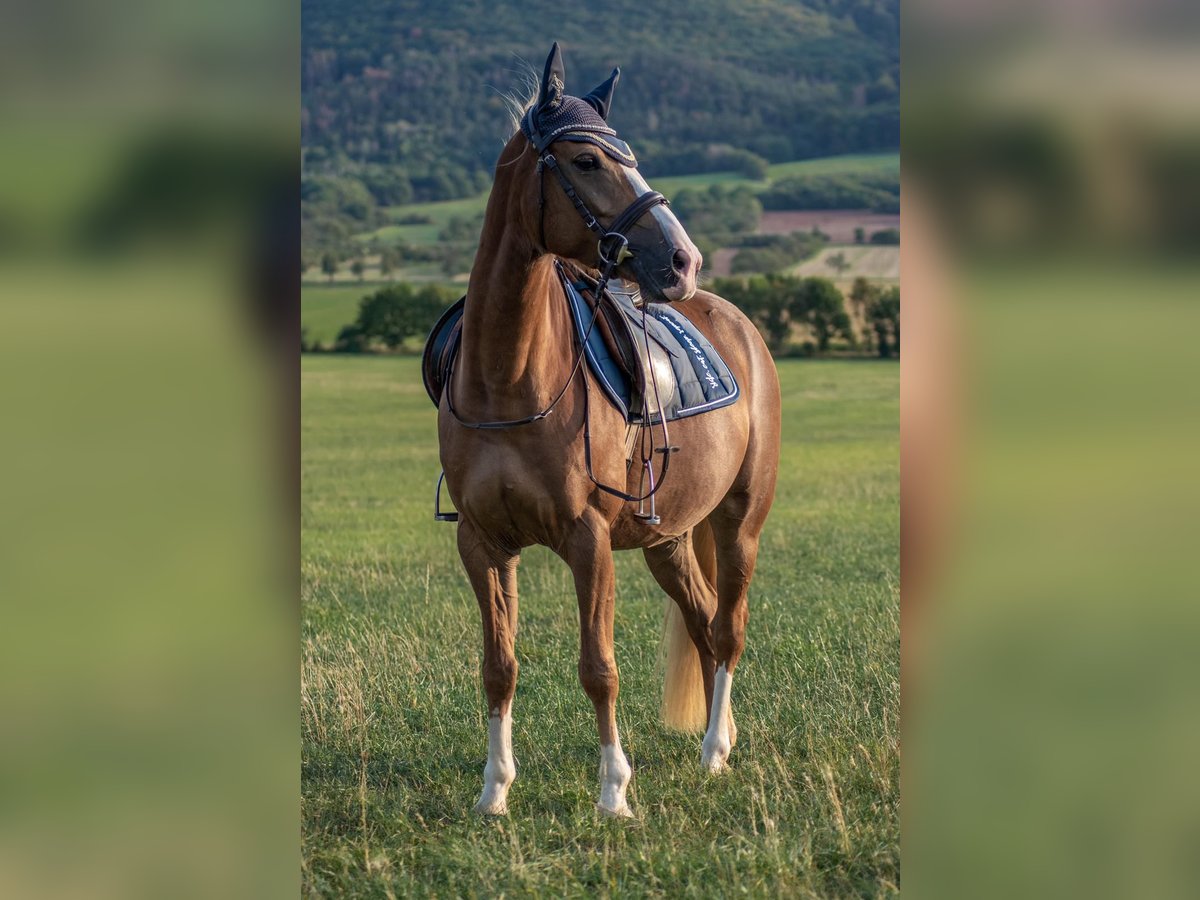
{"type": "Point", "coordinates": [147, 527]}
{"type": "Point", "coordinates": [1049, 444]}
{"type": "Point", "coordinates": [148, 540]}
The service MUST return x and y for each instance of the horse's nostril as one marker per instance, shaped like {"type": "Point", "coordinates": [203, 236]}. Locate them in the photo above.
{"type": "Point", "coordinates": [681, 262]}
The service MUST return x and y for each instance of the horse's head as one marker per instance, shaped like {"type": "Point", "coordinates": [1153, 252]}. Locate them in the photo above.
{"type": "Point", "coordinates": [592, 206]}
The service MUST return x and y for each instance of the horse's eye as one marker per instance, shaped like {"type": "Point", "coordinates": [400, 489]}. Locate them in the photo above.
{"type": "Point", "coordinates": [587, 162]}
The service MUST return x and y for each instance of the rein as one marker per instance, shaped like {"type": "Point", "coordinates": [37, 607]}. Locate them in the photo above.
{"type": "Point", "coordinates": [611, 256]}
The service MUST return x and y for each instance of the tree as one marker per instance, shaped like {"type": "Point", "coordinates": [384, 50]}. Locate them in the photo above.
{"type": "Point", "coordinates": [885, 318]}
{"type": "Point", "coordinates": [860, 235]}
{"type": "Point", "coordinates": [384, 315]}
{"type": "Point", "coordinates": [819, 304]}
{"type": "Point", "coordinates": [886, 236]}
{"type": "Point", "coordinates": [752, 166]}
{"type": "Point", "coordinates": [399, 311]}
{"type": "Point", "coordinates": [329, 264]}
{"type": "Point", "coordinates": [838, 262]}
{"type": "Point", "coordinates": [774, 312]}
{"type": "Point", "coordinates": [358, 267]}
{"type": "Point", "coordinates": [765, 301]}
{"type": "Point", "coordinates": [387, 262]}
{"type": "Point", "coordinates": [350, 340]}
{"type": "Point", "coordinates": [863, 295]}
{"type": "Point", "coordinates": [718, 213]}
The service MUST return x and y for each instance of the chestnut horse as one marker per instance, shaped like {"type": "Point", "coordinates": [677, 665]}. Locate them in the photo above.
{"type": "Point", "coordinates": [517, 475]}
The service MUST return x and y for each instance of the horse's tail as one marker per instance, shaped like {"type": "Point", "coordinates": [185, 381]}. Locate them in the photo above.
{"type": "Point", "coordinates": [683, 705]}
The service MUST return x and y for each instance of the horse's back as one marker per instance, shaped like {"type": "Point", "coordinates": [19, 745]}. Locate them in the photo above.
{"type": "Point", "coordinates": [740, 344]}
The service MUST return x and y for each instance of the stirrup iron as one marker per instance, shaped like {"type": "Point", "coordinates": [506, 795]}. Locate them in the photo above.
{"type": "Point", "coordinates": [438, 515]}
{"type": "Point", "coordinates": [650, 518]}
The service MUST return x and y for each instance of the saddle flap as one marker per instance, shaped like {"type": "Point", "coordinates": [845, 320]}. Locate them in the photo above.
{"type": "Point", "coordinates": [651, 345]}
{"type": "Point", "coordinates": [440, 348]}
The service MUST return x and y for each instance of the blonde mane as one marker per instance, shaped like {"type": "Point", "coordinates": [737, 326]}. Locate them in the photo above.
{"type": "Point", "coordinates": [519, 100]}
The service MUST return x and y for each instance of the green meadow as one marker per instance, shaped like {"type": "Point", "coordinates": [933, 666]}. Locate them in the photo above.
{"type": "Point", "coordinates": [325, 308]}
{"type": "Point", "coordinates": [393, 717]}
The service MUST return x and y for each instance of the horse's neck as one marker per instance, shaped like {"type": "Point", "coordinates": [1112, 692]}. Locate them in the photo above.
{"type": "Point", "coordinates": [516, 341]}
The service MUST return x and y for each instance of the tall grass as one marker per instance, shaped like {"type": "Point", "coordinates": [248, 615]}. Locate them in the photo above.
{"type": "Point", "coordinates": [394, 730]}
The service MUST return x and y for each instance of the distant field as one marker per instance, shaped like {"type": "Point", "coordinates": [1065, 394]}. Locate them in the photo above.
{"type": "Point", "coordinates": [850, 164]}
{"type": "Point", "coordinates": [882, 263]}
{"type": "Point", "coordinates": [393, 723]}
{"type": "Point", "coordinates": [415, 272]}
{"type": "Point", "coordinates": [839, 224]}
{"type": "Point", "coordinates": [324, 309]}
{"type": "Point", "coordinates": [440, 213]}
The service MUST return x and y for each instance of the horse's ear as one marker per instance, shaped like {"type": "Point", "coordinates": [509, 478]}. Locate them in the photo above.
{"type": "Point", "coordinates": [553, 78]}
{"type": "Point", "coordinates": [600, 98]}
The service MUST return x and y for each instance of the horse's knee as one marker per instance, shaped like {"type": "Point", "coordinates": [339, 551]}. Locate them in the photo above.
{"type": "Point", "coordinates": [731, 635]}
{"type": "Point", "coordinates": [499, 677]}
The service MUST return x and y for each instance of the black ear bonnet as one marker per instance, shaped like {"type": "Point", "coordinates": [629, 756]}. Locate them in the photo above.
{"type": "Point", "coordinates": [556, 116]}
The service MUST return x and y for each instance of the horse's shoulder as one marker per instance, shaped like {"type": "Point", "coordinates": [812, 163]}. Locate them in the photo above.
{"type": "Point", "coordinates": [723, 323]}
{"type": "Point", "coordinates": [707, 306]}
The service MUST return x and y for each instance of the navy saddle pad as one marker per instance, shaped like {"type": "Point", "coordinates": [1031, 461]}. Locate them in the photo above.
{"type": "Point", "coordinates": [691, 376]}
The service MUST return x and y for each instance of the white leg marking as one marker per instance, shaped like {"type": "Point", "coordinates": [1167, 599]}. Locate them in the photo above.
{"type": "Point", "coordinates": [717, 742]}
{"type": "Point", "coordinates": [500, 770]}
{"type": "Point", "coordinates": [614, 778]}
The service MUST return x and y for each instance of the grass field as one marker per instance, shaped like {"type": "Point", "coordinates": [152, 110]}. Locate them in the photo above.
{"type": "Point", "coordinates": [326, 308]}
{"type": "Point", "coordinates": [394, 734]}
{"type": "Point", "coordinates": [876, 263]}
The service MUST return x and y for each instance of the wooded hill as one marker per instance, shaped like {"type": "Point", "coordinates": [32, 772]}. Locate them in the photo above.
{"type": "Point", "coordinates": [404, 97]}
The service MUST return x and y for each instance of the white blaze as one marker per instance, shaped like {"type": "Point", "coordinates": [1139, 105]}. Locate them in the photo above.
{"type": "Point", "coordinates": [661, 213]}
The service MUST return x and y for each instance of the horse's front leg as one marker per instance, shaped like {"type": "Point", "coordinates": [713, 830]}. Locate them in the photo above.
{"type": "Point", "coordinates": [589, 554]}
{"type": "Point", "coordinates": [493, 574]}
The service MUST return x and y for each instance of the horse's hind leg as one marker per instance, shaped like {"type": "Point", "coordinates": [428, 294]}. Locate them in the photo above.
{"type": "Point", "coordinates": [493, 574]}
{"type": "Point", "coordinates": [588, 552]}
{"type": "Point", "coordinates": [736, 525]}
{"type": "Point", "coordinates": [691, 661]}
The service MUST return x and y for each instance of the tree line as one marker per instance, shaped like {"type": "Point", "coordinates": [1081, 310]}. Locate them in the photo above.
{"type": "Point", "coordinates": [786, 306]}
{"type": "Point", "coordinates": [783, 307]}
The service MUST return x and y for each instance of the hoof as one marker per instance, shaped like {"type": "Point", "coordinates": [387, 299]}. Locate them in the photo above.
{"type": "Point", "coordinates": [714, 760]}
{"type": "Point", "coordinates": [621, 812]}
{"type": "Point", "coordinates": [492, 807]}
